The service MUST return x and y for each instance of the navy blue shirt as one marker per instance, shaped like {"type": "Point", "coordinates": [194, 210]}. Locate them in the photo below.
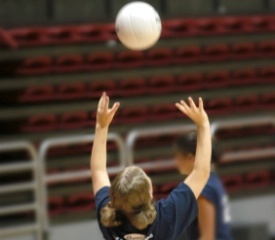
{"type": "Point", "coordinates": [215, 193]}
{"type": "Point", "coordinates": [174, 215]}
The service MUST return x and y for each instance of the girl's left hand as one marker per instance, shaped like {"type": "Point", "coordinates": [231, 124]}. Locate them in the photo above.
{"type": "Point", "coordinates": [104, 113]}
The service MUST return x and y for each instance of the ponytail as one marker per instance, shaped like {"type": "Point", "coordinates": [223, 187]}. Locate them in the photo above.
{"type": "Point", "coordinates": [110, 217]}
{"type": "Point", "coordinates": [143, 218]}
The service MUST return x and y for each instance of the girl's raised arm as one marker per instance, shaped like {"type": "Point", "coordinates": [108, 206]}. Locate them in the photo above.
{"type": "Point", "coordinates": [202, 166]}
{"type": "Point", "coordinates": [98, 162]}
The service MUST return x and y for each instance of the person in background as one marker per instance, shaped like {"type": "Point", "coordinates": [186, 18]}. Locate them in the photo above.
{"type": "Point", "coordinates": [213, 221]}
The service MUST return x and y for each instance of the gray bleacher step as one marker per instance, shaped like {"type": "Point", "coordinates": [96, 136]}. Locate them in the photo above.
{"type": "Point", "coordinates": [7, 210]}
{"type": "Point", "coordinates": [16, 230]}
{"type": "Point", "coordinates": [59, 50]}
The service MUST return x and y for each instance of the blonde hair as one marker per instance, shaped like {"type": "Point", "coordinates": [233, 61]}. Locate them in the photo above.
{"type": "Point", "coordinates": [130, 200]}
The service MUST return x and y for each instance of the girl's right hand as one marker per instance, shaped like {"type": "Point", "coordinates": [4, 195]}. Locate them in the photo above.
{"type": "Point", "coordinates": [197, 114]}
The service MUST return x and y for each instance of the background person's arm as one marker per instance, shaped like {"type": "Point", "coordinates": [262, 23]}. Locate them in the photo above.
{"type": "Point", "coordinates": [200, 174]}
{"type": "Point", "coordinates": [207, 219]}
{"type": "Point", "coordinates": [98, 162]}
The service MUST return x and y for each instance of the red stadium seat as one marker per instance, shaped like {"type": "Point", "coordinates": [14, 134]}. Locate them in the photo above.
{"type": "Point", "coordinates": [189, 54]}
{"type": "Point", "coordinates": [161, 84]}
{"type": "Point", "coordinates": [233, 183]}
{"type": "Point", "coordinates": [234, 25]}
{"type": "Point", "coordinates": [91, 33]}
{"type": "Point", "coordinates": [69, 63]}
{"type": "Point", "coordinates": [246, 103]}
{"type": "Point", "coordinates": [217, 52]}
{"type": "Point", "coordinates": [61, 35]}
{"type": "Point", "coordinates": [257, 179]}
{"type": "Point", "coordinates": [74, 120]}
{"type": "Point", "coordinates": [109, 31]}
{"type": "Point", "coordinates": [69, 91]}
{"type": "Point", "coordinates": [100, 61]}
{"type": "Point", "coordinates": [268, 101]}
{"type": "Point", "coordinates": [168, 187]}
{"type": "Point", "coordinates": [7, 40]}
{"type": "Point", "coordinates": [133, 115]}
{"type": "Point", "coordinates": [29, 37]}
{"type": "Point", "coordinates": [69, 149]}
{"type": "Point", "coordinates": [266, 49]}
{"type": "Point", "coordinates": [189, 82]}
{"type": "Point", "coordinates": [37, 94]}
{"type": "Point", "coordinates": [76, 149]}
{"type": "Point", "coordinates": [80, 202]}
{"type": "Point", "coordinates": [129, 59]}
{"type": "Point", "coordinates": [56, 205]}
{"type": "Point", "coordinates": [243, 50]}
{"type": "Point", "coordinates": [131, 87]}
{"type": "Point", "coordinates": [34, 66]}
{"type": "Point", "coordinates": [261, 23]}
{"type": "Point", "coordinates": [159, 57]}
{"type": "Point", "coordinates": [266, 74]}
{"type": "Point", "coordinates": [207, 26]}
{"type": "Point", "coordinates": [95, 89]}
{"type": "Point", "coordinates": [243, 77]}
{"type": "Point", "coordinates": [178, 28]}
{"type": "Point", "coordinates": [40, 123]}
{"type": "Point", "coordinates": [216, 79]}
{"type": "Point", "coordinates": [158, 140]}
{"type": "Point", "coordinates": [163, 112]}
{"type": "Point", "coordinates": [219, 106]}
{"type": "Point", "coordinates": [240, 132]}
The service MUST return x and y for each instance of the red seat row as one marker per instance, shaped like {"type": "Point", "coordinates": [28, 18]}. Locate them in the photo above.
{"type": "Point", "coordinates": [247, 181]}
{"type": "Point", "coordinates": [159, 84]}
{"type": "Point", "coordinates": [76, 149]}
{"type": "Point", "coordinates": [141, 114]}
{"type": "Point", "coordinates": [42, 36]}
{"type": "Point", "coordinates": [84, 201]}
{"type": "Point", "coordinates": [152, 58]}
{"type": "Point", "coordinates": [238, 132]}
{"type": "Point", "coordinates": [79, 202]}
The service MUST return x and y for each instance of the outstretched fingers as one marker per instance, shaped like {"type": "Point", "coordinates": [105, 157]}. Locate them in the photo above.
{"type": "Point", "coordinates": [192, 104]}
{"type": "Point", "coordinates": [101, 102]}
{"type": "Point", "coordinates": [114, 108]}
{"type": "Point", "coordinates": [183, 107]}
{"type": "Point", "coordinates": [201, 107]}
{"type": "Point", "coordinates": [180, 107]}
{"type": "Point", "coordinates": [107, 100]}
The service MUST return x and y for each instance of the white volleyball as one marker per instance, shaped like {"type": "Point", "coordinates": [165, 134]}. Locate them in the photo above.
{"type": "Point", "coordinates": [138, 25]}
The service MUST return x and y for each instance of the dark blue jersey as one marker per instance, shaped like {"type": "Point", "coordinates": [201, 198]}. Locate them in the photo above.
{"type": "Point", "coordinates": [174, 215]}
{"type": "Point", "coordinates": [215, 193]}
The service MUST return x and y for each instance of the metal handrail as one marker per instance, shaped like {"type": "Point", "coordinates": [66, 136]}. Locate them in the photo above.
{"type": "Point", "coordinates": [156, 131]}
{"type": "Point", "coordinates": [62, 177]}
{"type": "Point", "coordinates": [18, 187]}
{"type": "Point", "coordinates": [227, 124]}
{"type": "Point", "coordinates": [248, 155]}
{"type": "Point", "coordinates": [134, 135]}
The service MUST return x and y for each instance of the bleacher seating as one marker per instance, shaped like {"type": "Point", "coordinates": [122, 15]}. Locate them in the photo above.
{"type": "Point", "coordinates": [39, 36]}
{"type": "Point", "coordinates": [49, 90]}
